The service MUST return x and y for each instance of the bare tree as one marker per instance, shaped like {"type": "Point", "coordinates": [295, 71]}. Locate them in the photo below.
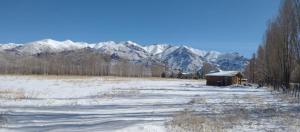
{"type": "Point", "coordinates": [279, 56]}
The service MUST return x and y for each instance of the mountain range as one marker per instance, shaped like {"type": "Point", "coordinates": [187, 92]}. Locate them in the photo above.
{"type": "Point", "coordinates": [185, 58]}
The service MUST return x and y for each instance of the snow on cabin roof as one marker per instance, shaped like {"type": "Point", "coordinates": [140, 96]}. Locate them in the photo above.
{"type": "Point", "coordinates": [186, 73]}
{"type": "Point", "coordinates": [224, 73]}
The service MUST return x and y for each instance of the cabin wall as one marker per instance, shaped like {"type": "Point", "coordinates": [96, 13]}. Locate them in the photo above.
{"type": "Point", "coordinates": [218, 81]}
{"type": "Point", "coordinates": [236, 80]}
{"type": "Point", "coordinates": [222, 80]}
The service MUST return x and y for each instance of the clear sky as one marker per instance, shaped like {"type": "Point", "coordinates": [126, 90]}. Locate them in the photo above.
{"type": "Point", "coordinates": [222, 25]}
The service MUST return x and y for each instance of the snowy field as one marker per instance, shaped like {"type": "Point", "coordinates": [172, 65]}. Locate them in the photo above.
{"type": "Point", "coordinates": [76, 103]}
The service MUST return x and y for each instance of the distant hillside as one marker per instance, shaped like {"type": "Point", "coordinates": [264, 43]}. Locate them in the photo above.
{"type": "Point", "coordinates": [184, 58]}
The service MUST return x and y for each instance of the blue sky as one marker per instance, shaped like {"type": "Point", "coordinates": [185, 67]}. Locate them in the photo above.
{"type": "Point", "coordinates": [222, 25]}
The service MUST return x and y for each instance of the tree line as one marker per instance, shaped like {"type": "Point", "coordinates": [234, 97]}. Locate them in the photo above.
{"type": "Point", "coordinates": [277, 60]}
{"type": "Point", "coordinates": [80, 62]}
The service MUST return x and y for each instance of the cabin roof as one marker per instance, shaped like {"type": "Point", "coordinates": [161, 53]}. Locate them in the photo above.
{"type": "Point", "coordinates": [224, 73]}
{"type": "Point", "coordinates": [186, 73]}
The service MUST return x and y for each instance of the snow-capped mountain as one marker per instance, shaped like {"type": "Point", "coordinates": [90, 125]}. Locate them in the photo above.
{"type": "Point", "coordinates": [49, 45]}
{"type": "Point", "coordinates": [156, 48]}
{"type": "Point", "coordinates": [4, 47]}
{"type": "Point", "coordinates": [231, 61]}
{"type": "Point", "coordinates": [126, 50]}
{"type": "Point", "coordinates": [185, 58]}
{"type": "Point", "coordinates": [212, 56]}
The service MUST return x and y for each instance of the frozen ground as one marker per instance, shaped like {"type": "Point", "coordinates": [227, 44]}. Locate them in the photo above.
{"type": "Point", "coordinates": [62, 103]}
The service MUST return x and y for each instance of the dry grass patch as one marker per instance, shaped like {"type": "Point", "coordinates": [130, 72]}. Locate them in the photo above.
{"type": "Point", "coordinates": [262, 117]}
{"type": "Point", "coordinates": [255, 100]}
{"type": "Point", "coordinates": [58, 77]}
{"type": "Point", "coordinates": [12, 94]}
{"type": "Point", "coordinates": [188, 122]}
{"type": "Point", "coordinates": [290, 120]}
{"type": "Point", "coordinates": [117, 92]}
{"type": "Point", "coordinates": [199, 100]}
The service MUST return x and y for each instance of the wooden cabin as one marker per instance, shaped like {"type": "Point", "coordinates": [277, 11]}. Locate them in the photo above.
{"type": "Point", "coordinates": [224, 78]}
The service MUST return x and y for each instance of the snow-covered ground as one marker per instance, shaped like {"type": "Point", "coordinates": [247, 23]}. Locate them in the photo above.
{"type": "Point", "coordinates": [78, 103]}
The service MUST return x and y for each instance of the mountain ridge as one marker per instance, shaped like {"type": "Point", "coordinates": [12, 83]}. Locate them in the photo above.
{"type": "Point", "coordinates": [182, 57]}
